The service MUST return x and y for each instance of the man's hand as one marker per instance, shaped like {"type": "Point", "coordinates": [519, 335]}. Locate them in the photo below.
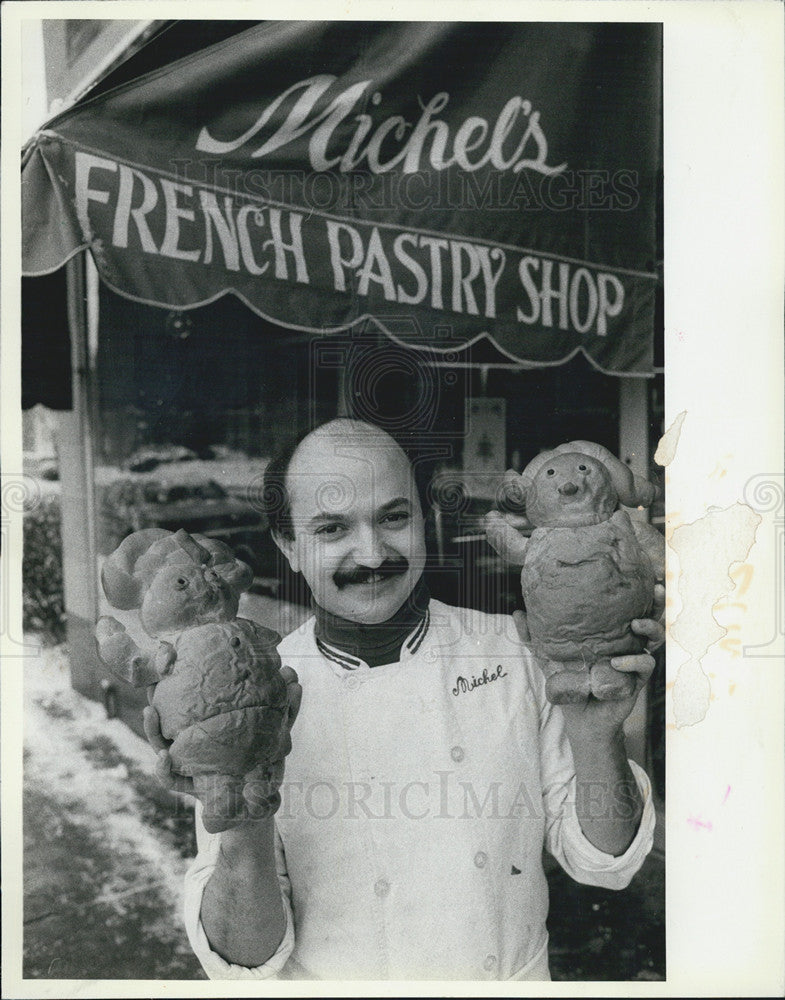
{"type": "Point", "coordinates": [608, 801]}
{"type": "Point", "coordinates": [258, 807]}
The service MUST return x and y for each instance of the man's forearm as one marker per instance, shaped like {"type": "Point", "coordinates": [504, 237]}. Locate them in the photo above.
{"type": "Point", "coordinates": [242, 913]}
{"type": "Point", "coordinates": [608, 801]}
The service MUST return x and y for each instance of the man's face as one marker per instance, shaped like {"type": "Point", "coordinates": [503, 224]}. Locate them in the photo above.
{"type": "Point", "coordinates": [359, 539]}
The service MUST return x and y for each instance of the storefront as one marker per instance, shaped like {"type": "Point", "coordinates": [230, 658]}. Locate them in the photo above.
{"type": "Point", "coordinates": [453, 230]}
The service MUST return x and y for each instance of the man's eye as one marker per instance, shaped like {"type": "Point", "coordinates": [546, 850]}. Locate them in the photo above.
{"type": "Point", "coordinates": [396, 517]}
{"type": "Point", "coordinates": [329, 529]}
{"type": "Point", "coordinates": [181, 583]}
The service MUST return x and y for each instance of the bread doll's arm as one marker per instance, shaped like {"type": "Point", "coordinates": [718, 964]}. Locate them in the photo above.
{"type": "Point", "coordinates": [653, 544]}
{"type": "Point", "coordinates": [509, 543]}
{"type": "Point", "coordinates": [118, 651]}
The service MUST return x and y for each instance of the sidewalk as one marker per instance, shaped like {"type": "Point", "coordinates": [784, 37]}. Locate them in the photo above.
{"type": "Point", "coordinates": [105, 847]}
{"type": "Point", "coordinates": [598, 934]}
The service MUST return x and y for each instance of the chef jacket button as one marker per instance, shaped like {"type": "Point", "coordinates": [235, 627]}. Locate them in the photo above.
{"type": "Point", "coordinates": [457, 754]}
{"type": "Point", "coordinates": [352, 683]}
{"type": "Point", "coordinates": [481, 859]}
{"type": "Point", "coordinates": [382, 887]}
{"type": "Point", "coordinates": [490, 963]}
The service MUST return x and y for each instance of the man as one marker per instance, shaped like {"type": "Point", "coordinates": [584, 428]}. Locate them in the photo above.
{"type": "Point", "coordinates": [427, 769]}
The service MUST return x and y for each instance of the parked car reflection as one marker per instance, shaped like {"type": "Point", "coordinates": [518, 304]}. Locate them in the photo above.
{"type": "Point", "coordinates": [202, 507]}
{"type": "Point", "coordinates": [147, 459]}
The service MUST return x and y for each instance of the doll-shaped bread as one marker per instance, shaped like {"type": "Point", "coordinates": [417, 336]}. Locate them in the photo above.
{"type": "Point", "coordinates": [218, 691]}
{"type": "Point", "coordinates": [588, 569]}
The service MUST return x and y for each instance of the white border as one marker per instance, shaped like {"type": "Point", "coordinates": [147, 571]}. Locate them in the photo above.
{"type": "Point", "coordinates": [724, 267]}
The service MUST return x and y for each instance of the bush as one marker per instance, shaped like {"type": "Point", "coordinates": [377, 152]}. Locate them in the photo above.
{"type": "Point", "coordinates": [42, 571]}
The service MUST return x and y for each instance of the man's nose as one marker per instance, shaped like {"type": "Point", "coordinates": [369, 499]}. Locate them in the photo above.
{"type": "Point", "coordinates": [568, 489]}
{"type": "Point", "coordinates": [368, 550]}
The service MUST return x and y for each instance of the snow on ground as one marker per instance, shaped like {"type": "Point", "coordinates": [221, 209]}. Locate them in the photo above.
{"type": "Point", "coordinates": [60, 726]}
{"type": "Point", "coordinates": [106, 847]}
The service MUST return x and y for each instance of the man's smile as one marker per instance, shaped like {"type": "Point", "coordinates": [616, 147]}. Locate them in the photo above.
{"type": "Point", "coordinates": [370, 580]}
{"type": "Point", "coordinates": [363, 576]}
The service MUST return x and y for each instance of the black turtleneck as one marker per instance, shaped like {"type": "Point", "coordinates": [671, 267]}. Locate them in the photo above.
{"type": "Point", "coordinates": [376, 644]}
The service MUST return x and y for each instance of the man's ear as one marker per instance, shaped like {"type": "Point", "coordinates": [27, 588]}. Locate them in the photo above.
{"type": "Point", "coordinates": [287, 546]}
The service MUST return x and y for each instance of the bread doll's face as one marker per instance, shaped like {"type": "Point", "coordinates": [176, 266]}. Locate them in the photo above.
{"type": "Point", "coordinates": [182, 596]}
{"type": "Point", "coordinates": [570, 490]}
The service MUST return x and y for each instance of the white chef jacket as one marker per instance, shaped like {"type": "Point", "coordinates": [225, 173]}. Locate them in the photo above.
{"type": "Point", "coordinates": [417, 799]}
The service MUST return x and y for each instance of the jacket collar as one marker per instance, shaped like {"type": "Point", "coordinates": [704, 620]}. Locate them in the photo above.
{"type": "Point", "coordinates": [350, 644]}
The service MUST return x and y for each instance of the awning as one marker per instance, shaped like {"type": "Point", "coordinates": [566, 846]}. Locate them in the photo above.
{"type": "Point", "coordinates": [449, 182]}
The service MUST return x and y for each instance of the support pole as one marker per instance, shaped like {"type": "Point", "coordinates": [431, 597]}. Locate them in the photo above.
{"type": "Point", "coordinates": [78, 513]}
{"type": "Point", "coordinates": [634, 451]}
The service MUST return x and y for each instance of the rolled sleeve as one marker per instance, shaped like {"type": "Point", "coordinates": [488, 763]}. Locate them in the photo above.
{"type": "Point", "coordinates": [196, 879]}
{"type": "Point", "coordinates": [585, 862]}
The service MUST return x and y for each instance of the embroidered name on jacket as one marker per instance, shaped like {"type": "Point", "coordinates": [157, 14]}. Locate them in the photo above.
{"type": "Point", "coordinates": [464, 684]}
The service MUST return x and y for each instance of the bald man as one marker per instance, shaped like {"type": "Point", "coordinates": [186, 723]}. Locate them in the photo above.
{"type": "Point", "coordinates": [427, 770]}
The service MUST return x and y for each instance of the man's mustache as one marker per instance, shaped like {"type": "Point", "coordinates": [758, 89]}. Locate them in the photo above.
{"type": "Point", "coordinates": [365, 574]}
